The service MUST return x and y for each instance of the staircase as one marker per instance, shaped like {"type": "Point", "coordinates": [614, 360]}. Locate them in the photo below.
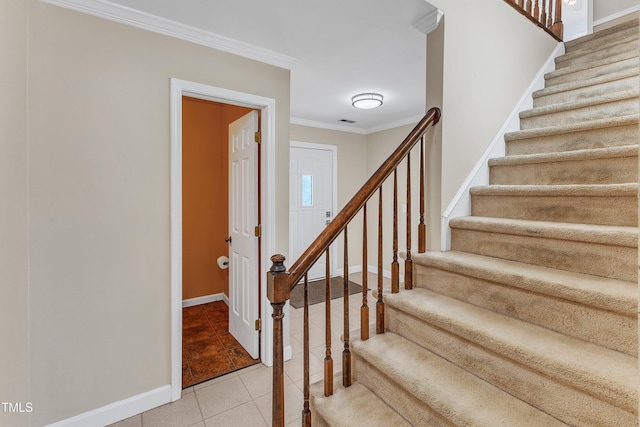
{"type": "Point", "coordinates": [531, 318]}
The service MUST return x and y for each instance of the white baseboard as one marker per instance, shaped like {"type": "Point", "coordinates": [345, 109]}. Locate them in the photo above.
{"type": "Point", "coordinates": [617, 15]}
{"type": "Point", "coordinates": [461, 203]}
{"type": "Point", "coordinates": [205, 299]}
{"type": "Point", "coordinates": [119, 411]}
{"type": "Point", "coordinates": [288, 353]}
{"type": "Point", "coordinates": [385, 273]}
{"type": "Point", "coordinates": [352, 269]}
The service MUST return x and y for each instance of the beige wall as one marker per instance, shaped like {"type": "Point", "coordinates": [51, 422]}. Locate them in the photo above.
{"type": "Point", "coordinates": [486, 70]}
{"type": "Point", "coordinates": [605, 8]}
{"type": "Point", "coordinates": [14, 27]}
{"type": "Point", "coordinates": [379, 146]}
{"type": "Point", "coordinates": [99, 201]}
{"type": "Point", "coordinates": [352, 173]}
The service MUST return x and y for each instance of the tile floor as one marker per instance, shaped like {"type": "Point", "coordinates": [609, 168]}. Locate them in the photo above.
{"type": "Point", "coordinates": [208, 349]}
{"type": "Point", "coordinates": [243, 398]}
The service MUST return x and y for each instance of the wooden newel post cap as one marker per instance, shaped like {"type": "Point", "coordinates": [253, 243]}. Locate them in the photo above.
{"type": "Point", "coordinates": [278, 288]}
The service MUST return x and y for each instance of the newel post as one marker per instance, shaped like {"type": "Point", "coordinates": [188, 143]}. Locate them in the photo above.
{"type": "Point", "coordinates": [278, 291]}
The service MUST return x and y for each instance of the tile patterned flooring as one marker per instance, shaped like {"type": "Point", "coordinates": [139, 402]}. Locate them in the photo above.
{"type": "Point", "coordinates": [243, 398]}
{"type": "Point", "coordinates": [208, 349]}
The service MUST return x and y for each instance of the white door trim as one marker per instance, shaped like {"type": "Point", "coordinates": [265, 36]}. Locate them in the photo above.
{"type": "Point", "coordinates": [267, 106]}
{"type": "Point", "coordinates": [334, 189]}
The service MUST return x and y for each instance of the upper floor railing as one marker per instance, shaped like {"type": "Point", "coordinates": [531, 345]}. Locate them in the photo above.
{"type": "Point", "coordinates": [281, 281]}
{"type": "Point", "coordinates": [547, 14]}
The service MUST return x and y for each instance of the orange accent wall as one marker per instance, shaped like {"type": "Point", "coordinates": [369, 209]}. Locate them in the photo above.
{"type": "Point", "coordinates": [205, 195]}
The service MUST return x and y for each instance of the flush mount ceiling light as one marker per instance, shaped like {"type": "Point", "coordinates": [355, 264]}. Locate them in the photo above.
{"type": "Point", "coordinates": [367, 101]}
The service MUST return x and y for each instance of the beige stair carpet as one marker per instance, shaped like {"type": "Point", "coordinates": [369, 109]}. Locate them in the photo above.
{"type": "Point", "coordinates": [531, 319]}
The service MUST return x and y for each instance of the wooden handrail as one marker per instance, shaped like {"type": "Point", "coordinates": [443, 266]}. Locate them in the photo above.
{"type": "Point", "coordinates": [333, 230]}
{"type": "Point", "coordinates": [547, 14]}
{"type": "Point", "coordinates": [281, 282]}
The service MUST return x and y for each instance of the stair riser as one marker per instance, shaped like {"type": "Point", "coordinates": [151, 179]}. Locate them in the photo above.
{"type": "Point", "coordinates": [615, 210]}
{"type": "Point", "coordinates": [581, 140]}
{"type": "Point", "coordinates": [589, 57]}
{"type": "Point", "coordinates": [600, 39]}
{"type": "Point", "coordinates": [619, 107]}
{"type": "Point", "coordinates": [616, 262]}
{"type": "Point", "coordinates": [612, 330]}
{"type": "Point", "coordinates": [617, 64]}
{"type": "Point", "coordinates": [627, 83]}
{"type": "Point", "coordinates": [548, 394]}
{"type": "Point", "coordinates": [418, 413]}
{"type": "Point", "coordinates": [614, 170]}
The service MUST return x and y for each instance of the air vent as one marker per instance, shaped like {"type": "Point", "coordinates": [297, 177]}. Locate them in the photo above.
{"type": "Point", "coordinates": [347, 121]}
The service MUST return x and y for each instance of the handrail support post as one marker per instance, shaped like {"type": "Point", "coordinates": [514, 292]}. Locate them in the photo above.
{"type": "Point", "coordinates": [278, 292]}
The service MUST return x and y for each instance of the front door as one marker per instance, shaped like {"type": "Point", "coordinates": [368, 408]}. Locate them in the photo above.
{"type": "Point", "coordinates": [310, 199]}
{"type": "Point", "coordinates": [243, 245]}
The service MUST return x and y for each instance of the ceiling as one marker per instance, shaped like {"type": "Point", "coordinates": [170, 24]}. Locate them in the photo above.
{"type": "Point", "coordinates": [334, 48]}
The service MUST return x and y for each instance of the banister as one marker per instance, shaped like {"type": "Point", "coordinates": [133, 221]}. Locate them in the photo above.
{"type": "Point", "coordinates": [351, 209]}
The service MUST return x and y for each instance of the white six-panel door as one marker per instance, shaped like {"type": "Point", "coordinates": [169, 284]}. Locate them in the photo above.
{"type": "Point", "coordinates": [243, 218]}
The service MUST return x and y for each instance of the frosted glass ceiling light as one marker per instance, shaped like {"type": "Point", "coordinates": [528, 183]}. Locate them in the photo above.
{"type": "Point", "coordinates": [367, 101]}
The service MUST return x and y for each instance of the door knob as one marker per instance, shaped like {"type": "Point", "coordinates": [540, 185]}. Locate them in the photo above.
{"type": "Point", "coordinates": [228, 239]}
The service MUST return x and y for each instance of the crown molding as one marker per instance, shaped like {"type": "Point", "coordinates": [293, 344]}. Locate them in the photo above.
{"type": "Point", "coordinates": [126, 15]}
{"type": "Point", "coordinates": [429, 22]}
{"type": "Point", "coordinates": [328, 126]}
{"type": "Point", "coordinates": [352, 129]}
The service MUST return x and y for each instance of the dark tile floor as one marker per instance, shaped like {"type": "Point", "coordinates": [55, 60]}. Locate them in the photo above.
{"type": "Point", "coordinates": [208, 349]}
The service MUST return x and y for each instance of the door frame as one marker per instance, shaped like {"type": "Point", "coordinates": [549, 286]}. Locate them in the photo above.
{"type": "Point", "coordinates": [178, 89]}
{"type": "Point", "coordinates": [334, 190]}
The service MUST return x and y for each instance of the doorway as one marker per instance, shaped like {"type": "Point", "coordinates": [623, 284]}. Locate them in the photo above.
{"type": "Point", "coordinates": [210, 347]}
{"type": "Point", "coordinates": [312, 198]}
{"type": "Point", "coordinates": [266, 106]}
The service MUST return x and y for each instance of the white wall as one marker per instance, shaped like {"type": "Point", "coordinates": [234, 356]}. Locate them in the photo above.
{"type": "Point", "coordinates": [99, 226]}
{"type": "Point", "coordinates": [14, 25]}
{"type": "Point", "coordinates": [486, 69]}
{"type": "Point", "coordinates": [603, 9]}
{"type": "Point", "coordinates": [379, 146]}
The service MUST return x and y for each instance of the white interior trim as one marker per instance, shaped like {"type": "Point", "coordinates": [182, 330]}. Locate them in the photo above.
{"type": "Point", "coordinates": [180, 88]}
{"type": "Point", "coordinates": [126, 15]}
{"type": "Point", "coordinates": [461, 203]}
{"type": "Point", "coordinates": [205, 300]}
{"type": "Point", "coordinates": [120, 410]}
{"type": "Point", "coordinates": [354, 129]}
{"type": "Point", "coordinates": [429, 22]}
{"type": "Point", "coordinates": [616, 15]}
{"type": "Point", "coordinates": [385, 273]}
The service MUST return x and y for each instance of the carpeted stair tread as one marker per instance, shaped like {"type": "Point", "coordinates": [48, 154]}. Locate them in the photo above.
{"type": "Point", "coordinates": [567, 156]}
{"type": "Point", "coordinates": [607, 123]}
{"type": "Point", "coordinates": [606, 374]}
{"type": "Point", "coordinates": [603, 204]}
{"type": "Point", "coordinates": [619, 43]}
{"type": "Point", "coordinates": [591, 54]}
{"type": "Point", "coordinates": [586, 88]}
{"type": "Point", "coordinates": [453, 393]}
{"type": "Point", "coordinates": [611, 104]}
{"type": "Point", "coordinates": [587, 233]}
{"type": "Point", "coordinates": [354, 406]}
{"type": "Point", "coordinates": [610, 165]}
{"type": "Point", "coordinates": [598, 133]}
{"type": "Point", "coordinates": [629, 27]}
{"type": "Point", "coordinates": [574, 190]}
{"type": "Point", "coordinates": [604, 293]}
{"type": "Point", "coordinates": [624, 61]}
{"type": "Point", "coordinates": [606, 251]}
{"type": "Point", "coordinates": [578, 84]}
